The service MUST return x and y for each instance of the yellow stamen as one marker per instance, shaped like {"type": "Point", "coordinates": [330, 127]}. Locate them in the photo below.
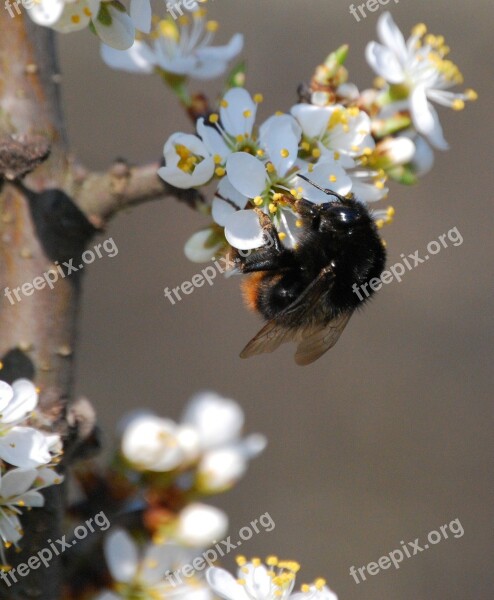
{"type": "Point", "coordinates": [276, 198]}
{"type": "Point", "coordinates": [240, 138]}
{"type": "Point", "coordinates": [223, 103]}
{"type": "Point", "coordinates": [219, 171]}
{"type": "Point", "coordinates": [332, 178]}
{"type": "Point", "coordinates": [305, 588]}
{"type": "Point", "coordinates": [240, 560]}
{"type": "Point", "coordinates": [260, 153]}
{"type": "Point", "coordinates": [272, 209]}
{"type": "Point", "coordinates": [258, 200]}
{"type": "Point", "coordinates": [168, 30]}
{"type": "Point", "coordinates": [87, 11]}
{"type": "Point", "coordinates": [212, 26]}
{"type": "Point", "coordinates": [270, 167]}
{"type": "Point", "coordinates": [257, 561]}
{"type": "Point", "coordinates": [217, 159]}
{"type": "Point", "coordinates": [298, 223]}
{"type": "Point", "coordinates": [258, 98]}
{"type": "Point", "coordinates": [284, 153]}
{"type": "Point", "coordinates": [278, 113]}
{"type": "Point", "coordinates": [419, 30]}
{"type": "Point", "coordinates": [75, 19]}
{"type": "Point", "coordinates": [213, 118]}
{"type": "Point", "coordinates": [471, 94]}
{"type": "Point", "coordinates": [272, 561]}
{"type": "Point", "coordinates": [247, 113]}
{"type": "Point", "coordinates": [316, 153]}
{"type": "Point", "coordinates": [458, 104]}
{"type": "Point", "coordinates": [282, 235]}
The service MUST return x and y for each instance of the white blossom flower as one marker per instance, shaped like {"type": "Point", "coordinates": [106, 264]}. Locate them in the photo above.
{"type": "Point", "coordinates": [184, 49]}
{"type": "Point", "coordinates": [19, 488]}
{"type": "Point", "coordinates": [344, 135]}
{"type": "Point", "coordinates": [418, 74]}
{"type": "Point", "coordinates": [199, 525]}
{"type": "Point", "coordinates": [274, 580]}
{"type": "Point", "coordinates": [188, 161]}
{"type": "Point", "coordinates": [23, 446]}
{"type": "Point", "coordinates": [144, 573]}
{"type": "Point", "coordinates": [111, 23]}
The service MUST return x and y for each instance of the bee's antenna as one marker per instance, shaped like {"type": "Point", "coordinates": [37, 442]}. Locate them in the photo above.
{"type": "Point", "coordinates": [325, 190]}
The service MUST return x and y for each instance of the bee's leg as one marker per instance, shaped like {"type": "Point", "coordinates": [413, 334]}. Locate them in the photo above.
{"type": "Point", "coordinates": [270, 234]}
{"type": "Point", "coordinates": [265, 259]}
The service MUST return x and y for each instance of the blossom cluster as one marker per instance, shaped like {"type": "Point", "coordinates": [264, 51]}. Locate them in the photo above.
{"type": "Point", "coordinates": [28, 457]}
{"type": "Point", "coordinates": [161, 472]}
{"type": "Point", "coordinates": [336, 137]}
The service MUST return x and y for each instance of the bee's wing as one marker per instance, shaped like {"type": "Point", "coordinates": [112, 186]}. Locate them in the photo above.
{"type": "Point", "coordinates": [272, 335]}
{"type": "Point", "coordinates": [316, 342]}
{"type": "Point", "coordinates": [278, 331]}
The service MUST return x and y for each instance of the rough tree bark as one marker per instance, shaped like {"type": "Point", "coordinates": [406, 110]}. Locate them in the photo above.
{"type": "Point", "coordinates": [47, 216]}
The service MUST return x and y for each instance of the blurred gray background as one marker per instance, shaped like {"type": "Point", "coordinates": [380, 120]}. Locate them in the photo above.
{"type": "Point", "coordinates": [389, 435]}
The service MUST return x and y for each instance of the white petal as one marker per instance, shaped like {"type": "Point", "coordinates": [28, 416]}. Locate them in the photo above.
{"type": "Point", "coordinates": [198, 248]}
{"type": "Point", "coordinates": [220, 469]}
{"type": "Point", "coordinates": [120, 33]}
{"type": "Point", "coordinates": [423, 159]}
{"type": "Point", "coordinates": [280, 138]}
{"type": "Point", "coordinates": [257, 581]}
{"type": "Point", "coordinates": [254, 444]}
{"type": "Point", "coordinates": [201, 525]}
{"type": "Point", "coordinates": [207, 69]}
{"type": "Point", "coordinates": [384, 63]}
{"type": "Point", "coordinates": [217, 420]}
{"type": "Point", "coordinates": [139, 58]}
{"type": "Point", "coordinates": [25, 401]}
{"type": "Point", "coordinates": [425, 118]}
{"type": "Point", "coordinates": [6, 395]}
{"type": "Point", "coordinates": [213, 141]}
{"type": "Point", "coordinates": [221, 210]}
{"type": "Point", "coordinates": [223, 53]}
{"type": "Point", "coordinates": [33, 499]}
{"type": "Point", "coordinates": [224, 585]}
{"type": "Point", "coordinates": [140, 13]}
{"type": "Point", "coordinates": [46, 12]}
{"type": "Point", "coordinates": [10, 528]}
{"type": "Point", "coordinates": [312, 119]}
{"type": "Point", "coordinates": [323, 174]}
{"type": "Point", "coordinates": [17, 481]}
{"type": "Point", "coordinates": [121, 555]}
{"type": "Point", "coordinates": [391, 36]}
{"type": "Point", "coordinates": [72, 18]}
{"type": "Point", "coordinates": [243, 231]}
{"type": "Point", "coordinates": [233, 115]}
{"type": "Point", "coordinates": [157, 560]}
{"type": "Point", "coordinates": [108, 596]}
{"type": "Point", "coordinates": [367, 192]}
{"type": "Point", "coordinates": [227, 190]}
{"type": "Point", "coordinates": [24, 447]}
{"type": "Point", "coordinates": [246, 173]}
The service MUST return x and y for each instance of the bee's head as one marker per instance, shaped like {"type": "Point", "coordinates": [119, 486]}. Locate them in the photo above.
{"type": "Point", "coordinates": [343, 216]}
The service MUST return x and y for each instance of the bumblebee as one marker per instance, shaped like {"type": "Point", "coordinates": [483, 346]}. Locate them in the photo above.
{"type": "Point", "coordinates": [308, 293]}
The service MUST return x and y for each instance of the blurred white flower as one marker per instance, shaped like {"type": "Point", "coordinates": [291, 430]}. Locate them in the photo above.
{"type": "Point", "coordinates": [109, 19]}
{"type": "Point", "coordinates": [143, 573]}
{"type": "Point", "coordinates": [183, 49]}
{"type": "Point", "coordinates": [200, 525]}
{"type": "Point", "coordinates": [209, 423]}
{"type": "Point", "coordinates": [418, 74]}
{"type": "Point", "coordinates": [273, 580]}
{"type": "Point", "coordinates": [151, 443]}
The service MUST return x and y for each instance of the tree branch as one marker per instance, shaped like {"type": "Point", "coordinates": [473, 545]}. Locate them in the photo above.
{"type": "Point", "coordinates": [101, 195]}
